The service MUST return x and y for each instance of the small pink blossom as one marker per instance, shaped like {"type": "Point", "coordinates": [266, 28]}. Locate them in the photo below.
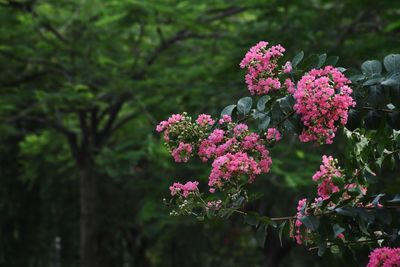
{"type": "Point", "coordinates": [225, 119]}
{"type": "Point", "coordinates": [184, 189]}
{"type": "Point", "coordinates": [261, 63]}
{"type": "Point", "coordinates": [273, 134]}
{"type": "Point", "coordinates": [287, 67]}
{"type": "Point", "coordinates": [384, 257]}
{"type": "Point", "coordinates": [204, 120]}
{"type": "Point", "coordinates": [182, 153]}
{"type": "Point", "coordinates": [323, 98]}
{"type": "Point", "coordinates": [240, 128]}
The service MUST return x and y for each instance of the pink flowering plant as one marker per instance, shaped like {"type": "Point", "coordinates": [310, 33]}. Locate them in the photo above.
{"type": "Point", "coordinates": [315, 102]}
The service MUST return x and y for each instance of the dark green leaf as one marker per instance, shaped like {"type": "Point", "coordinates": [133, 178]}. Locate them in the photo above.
{"type": "Point", "coordinates": [296, 60]}
{"type": "Point", "coordinates": [261, 234]}
{"type": "Point", "coordinates": [371, 67]}
{"type": "Point", "coordinates": [372, 120]}
{"type": "Point", "coordinates": [264, 123]}
{"type": "Point", "coordinates": [244, 105]}
{"type": "Point", "coordinates": [375, 96]}
{"type": "Point", "coordinates": [354, 120]}
{"type": "Point", "coordinates": [228, 110]}
{"type": "Point", "coordinates": [395, 199]}
{"type": "Point", "coordinates": [394, 120]}
{"type": "Point", "coordinates": [331, 61]}
{"type": "Point", "coordinates": [337, 230]}
{"type": "Point", "coordinates": [281, 230]}
{"type": "Point", "coordinates": [321, 60]}
{"type": "Point", "coordinates": [262, 101]}
{"type": "Point", "coordinates": [392, 62]}
{"type": "Point", "coordinates": [311, 222]}
{"type": "Point", "coordinates": [322, 248]}
{"type": "Point", "coordinates": [252, 218]}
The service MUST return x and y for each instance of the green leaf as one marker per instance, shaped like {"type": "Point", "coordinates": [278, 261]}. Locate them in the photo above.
{"type": "Point", "coordinates": [395, 199]}
{"type": "Point", "coordinates": [376, 199]}
{"type": "Point", "coordinates": [296, 60]}
{"type": "Point", "coordinates": [392, 79]}
{"type": "Point", "coordinates": [286, 103]}
{"type": "Point", "coordinates": [392, 62]}
{"type": "Point", "coordinates": [346, 211]}
{"type": "Point", "coordinates": [322, 248]}
{"type": "Point", "coordinates": [369, 175]}
{"type": "Point", "coordinates": [262, 101]}
{"type": "Point", "coordinates": [337, 230]}
{"type": "Point", "coordinates": [339, 181]}
{"type": "Point", "coordinates": [252, 218]}
{"type": "Point", "coordinates": [371, 67]}
{"type": "Point", "coordinates": [321, 60]}
{"type": "Point", "coordinates": [311, 222]}
{"type": "Point", "coordinates": [354, 120]}
{"type": "Point", "coordinates": [331, 61]}
{"type": "Point", "coordinates": [281, 230]}
{"type": "Point", "coordinates": [258, 114]}
{"type": "Point", "coordinates": [244, 105]}
{"type": "Point", "coordinates": [264, 123]}
{"type": "Point", "coordinates": [261, 234]}
{"type": "Point", "coordinates": [372, 120]}
{"type": "Point", "coordinates": [228, 110]}
{"type": "Point", "coordinates": [375, 96]}
{"type": "Point", "coordinates": [394, 120]}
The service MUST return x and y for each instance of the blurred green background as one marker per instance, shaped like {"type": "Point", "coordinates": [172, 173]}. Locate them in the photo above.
{"type": "Point", "coordinates": [83, 84]}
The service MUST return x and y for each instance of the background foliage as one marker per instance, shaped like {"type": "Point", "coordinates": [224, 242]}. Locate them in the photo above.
{"type": "Point", "coordinates": [62, 59]}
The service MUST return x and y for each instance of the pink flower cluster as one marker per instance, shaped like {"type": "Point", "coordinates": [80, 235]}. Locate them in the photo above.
{"type": "Point", "coordinates": [162, 126]}
{"type": "Point", "coordinates": [182, 153]}
{"type": "Point", "coordinates": [300, 213]}
{"type": "Point", "coordinates": [273, 135]}
{"type": "Point", "coordinates": [262, 63]}
{"type": "Point", "coordinates": [215, 205]}
{"type": "Point", "coordinates": [204, 120]}
{"type": "Point", "coordinates": [322, 99]}
{"type": "Point", "coordinates": [324, 177]}
{"type": "Point", "coordinates": [229, 165]}
{"type": "Point", "coordinates": [184, 189]}
{"type": "Point", "coordinates": [384, 257]}
{"type": "Point", "coordinates": [235, 152]}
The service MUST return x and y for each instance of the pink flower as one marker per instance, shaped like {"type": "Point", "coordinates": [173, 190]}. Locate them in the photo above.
{"type": "Point", "coordinates": [384, 257]}
{"type": "Point", "coordinates": [324, 177]}
{"type": "Point", "coordinates": [322, 99]}
{"type": "Point", "coordinates": [204, 120]}
{"type": "Point", "coordinates": [215, 205]}
{"type": "Point", "coordinates": [185, 190]}
{"type": "Point", "coordinates": [301, 211]}
{"type": "Point", "coordinates": [231, 165]}
{"type": "Point", "coordinates": [225, 119]}
{"type": "Point", "coordinates": [216, 136]}
{"type": "Point", "coordinates": [290, 86]}
{"type": "Point", "coordinates": [171, 120]}
{"type": "Point", "coordinates": [240, 128]}
{"type": "Point", "coordinates": [261, 63]}
{"type": "Point", "coordinates": [287, 67]}
{"type": "Point", "coordinates": [182, 153]}
{"type": "Point", "coordinates": [273, 134]}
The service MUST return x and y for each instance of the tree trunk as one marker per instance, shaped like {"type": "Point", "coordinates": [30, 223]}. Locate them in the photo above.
{"type": "Point", "coordinates": [89, 223]}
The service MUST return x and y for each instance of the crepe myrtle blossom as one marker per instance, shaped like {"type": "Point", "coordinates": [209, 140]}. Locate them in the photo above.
{"type": "Point", "coordinates": [225, 119]}
{"type": "Point", "coordinates": [204, 120]}
{"type": "Point", "coordinates": [273, 135]}
{"type": "Point", "coordinates": [324, 177]}
{"type": "Point", "coordinates": [182, 153]}
{"type": "Point", "coordinates": [301, 211]}
{"type": "Point", "coordinates": [323, 98]}
{"type": "Point", "coordinates": [287, 67]}
{"type": "Point", "coordinates": [384, 257]}
{"type": "Point", "coordinates": [163, 125]}
{"type": "Point", "coordinates": [262, 67]}
{"type": "Point", "coordinates": [184, 189]}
